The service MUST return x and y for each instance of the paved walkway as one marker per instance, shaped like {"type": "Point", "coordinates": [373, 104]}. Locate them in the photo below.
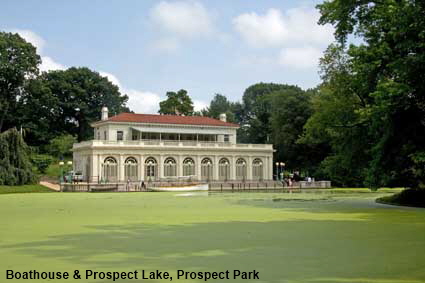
{"type": "Point", "coordinates": [52, 186]}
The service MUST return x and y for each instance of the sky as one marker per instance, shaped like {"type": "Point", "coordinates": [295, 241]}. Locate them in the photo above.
{"type": "Point", "coordinates": [150, 47]}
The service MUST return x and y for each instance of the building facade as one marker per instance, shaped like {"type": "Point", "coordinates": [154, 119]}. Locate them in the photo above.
{"type": "Point", "coordinates": [148, 147]}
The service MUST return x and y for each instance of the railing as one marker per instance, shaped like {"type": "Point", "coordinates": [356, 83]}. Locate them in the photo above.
{"type": "Point", "coordinates": [96, 143]}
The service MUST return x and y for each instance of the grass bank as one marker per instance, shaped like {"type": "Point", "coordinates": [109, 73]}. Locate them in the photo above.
{"type": "Point", "coordinates": [24, 189]}
{"type": "Point", "coordinates": [408, 197]}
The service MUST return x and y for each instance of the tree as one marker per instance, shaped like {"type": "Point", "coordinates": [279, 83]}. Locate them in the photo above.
{"type": "Point", "coordinates": [336, 121]}
{"type": "Point", "coordinates": [290, 110]}
{"type": "Point", "coordinates": [61, 146]}
{"type": "Point", "coordinates": [18, 62]}
{"type": "Point", "coordinates": [15, 165]}
{"type": "Point", "coordinates": [218, 105]}
{"type": "Point", "coordinates": [177, 103]}
{"type": "Point", "coordinates": [254, 116]}
{"type": "Point", "coordinates": [386, 72]}
{"type": "Point", "coordinates": [67, 102]}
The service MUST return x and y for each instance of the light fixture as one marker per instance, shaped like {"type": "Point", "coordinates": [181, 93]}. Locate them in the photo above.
{"type": "Point", "coordinates": [69, 163]}
{"type": "Point", "coordinates": [61, 163]}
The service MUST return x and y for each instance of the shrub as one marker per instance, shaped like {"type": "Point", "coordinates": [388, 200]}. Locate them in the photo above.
{"type": "Point", "coordinates": [41, 161]}
{"type": "Point", "coordinates": [61, 146]}
{"type": "Point", "coordinates": [15, 165]}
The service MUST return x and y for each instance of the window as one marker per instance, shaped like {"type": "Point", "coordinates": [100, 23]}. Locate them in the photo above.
{"type": "Point", "coordinates": [226, 138]}
{"type": "Point", "coordinates": [104, 135]}
{"type": "Point", "coordinates": [120, 135]}
{"type": "Point", "coordinates": [98, 134]}
{"type": "Point", "coordinates": [135, 136]}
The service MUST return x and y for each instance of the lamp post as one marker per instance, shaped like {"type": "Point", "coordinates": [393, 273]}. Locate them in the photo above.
{"type": "Point", "coordinates": [226, 164]}
{"type": "Point", "coordinates": [277, 170]}
{"type": "Point", "coordinates": [243, 171]}
{"type": "Point", "coordinates": [261, 170]}
{"type": "Point", "coordinates": [69, 163]}
{"type": "Point", "coordinates": [282, 168]}
{"type": "Point", "coordinates": [150, 171]}
{"type": "Point", "coordinates": [208, 171]}
{"type": "Point", "coordinates": [61, 163]}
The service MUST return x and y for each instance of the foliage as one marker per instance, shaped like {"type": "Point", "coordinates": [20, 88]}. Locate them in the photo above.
{"type": "Point", "coordinates": [15, 166]}
{"type": "Point", "coordinates": [18, 62]}
{"type": "Point", "coordinates": [372, 108]}
{"type": "Point", "coordinates": [218, 105]}
{"type": "Point", "coordinates": [24, 189]}
{"type": "Point", "coordinates": [289, 110]}
{"type": "Point", "coordinates": [177, 103]}
{"type": "Point", "coordinates": [408, 197]}
{"type": "Point", "coordinates": [41, 161]}
{"type": "Point", "coordinates": [61, 146]}
{"type": "Point", "coordinates": [254, 113]}
{"type": "Point", "coordinates": [67, 102]}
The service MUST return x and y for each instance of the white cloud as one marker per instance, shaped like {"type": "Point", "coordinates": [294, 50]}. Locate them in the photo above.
{"type": "Point", "coordinates": [31, 37]}
{"type": "Point", "coordinates": [275, 29]}
{"type": "Point", "coordinates": [300, 57]}
{"type": "Point", "coordinates": [143, 101]}
{"type": "Point", "coordinates": [48, 64]}
{"type": "Point", "coordinates": [257, 30]}
{"type": "Point", "coordinates": [198, 105]}
{"type": "Point", "coordinates": [182, 18]}
{"type": "Point", "coordinates": [138, 101]}
{"type": "Point", "coordinates": [113, 79]}
{"type": "Point", "coordinates": [166, 44]}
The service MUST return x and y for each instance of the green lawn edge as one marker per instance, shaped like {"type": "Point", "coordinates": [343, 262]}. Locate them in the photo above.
{"type": "Point", "coordinates": [408, 197]}
{"type": "Point", "coordinates": [24, 189]}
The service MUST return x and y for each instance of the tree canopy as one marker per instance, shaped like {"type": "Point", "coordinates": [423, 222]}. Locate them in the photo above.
{"type": "Point", "coordinates": [372, 107]}
{"type": "Point", "coordinates": [72, 99]}
{"type": "Point", "coordinates": [177, 103]}
{"type": "Point", "coordinates": [18, 62]}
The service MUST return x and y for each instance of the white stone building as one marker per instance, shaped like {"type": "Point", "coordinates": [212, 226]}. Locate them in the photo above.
{"type": "Point", "coordinates": [169, 147]}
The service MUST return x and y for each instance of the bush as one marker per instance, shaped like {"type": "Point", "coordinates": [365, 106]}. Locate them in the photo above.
{"type": "Point", "coordinates": [42, 162]}
{"type": "Point", "coordinates": [408, 197]}
{"type": "Point", "coordinates": [61, 146]}
{"type": "Point", "coordinates": [15, 165]}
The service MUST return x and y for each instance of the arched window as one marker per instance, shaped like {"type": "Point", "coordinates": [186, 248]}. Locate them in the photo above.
{"type": "Point", "coordinates": [170, 167]}
{"type": "Point", "coordinates": [224, 169]}
{"type": "Point", "coordinates": [109, 169]}
{"type": "Point", "coordinates": [151, 169]}
{"type": "Point", "coordinates": [130, 169]}
{"type": "Point", "coordinates": [206, 169]}
{"type": "Point", "coordinates": [188, 167]}
{"type": "Point", "coordinates": [257, 169]}
{"type": "Point", "coordinates": [241, 169]}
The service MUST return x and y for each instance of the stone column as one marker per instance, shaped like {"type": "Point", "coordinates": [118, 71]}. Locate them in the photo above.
{"type": "Point", "coordinates": [198, 167]}
{"type": "Point", "coordinates": [141, 167]}
{"type": "Point", "coordinates": [232, 168]}
{"type": "Point", "coordinates": [270, 169]}
{"type": "Point", "coordinates": [179, 165]}
{"type": "Point", "coordinates": [161, 166]}
{"type": "Point", "coordinates": [215, 166]}
{"type": "Point", "coordinates": [249, 168]}
{"type": "Point", "coordinates": [121, 168]}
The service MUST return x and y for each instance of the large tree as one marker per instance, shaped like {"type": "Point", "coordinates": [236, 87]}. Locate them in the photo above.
{"type": "Point", "coordinates": [290, 110]}
{"type": "Point", "coordinates": [254, 113]}
{"type": "Point", "coordinates": [177, 103]}
{"type": "Point", "coordinates": [383, 87]}
{"type": "Point", "coordinates": [218, 105]}
{"type": "Point", "coordinates": [18, 62]}
{"type": "Point", "coordinates": [60, 102]}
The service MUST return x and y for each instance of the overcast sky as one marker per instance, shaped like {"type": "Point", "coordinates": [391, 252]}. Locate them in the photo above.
{"type": "Point", "coordinates": [149, 47]}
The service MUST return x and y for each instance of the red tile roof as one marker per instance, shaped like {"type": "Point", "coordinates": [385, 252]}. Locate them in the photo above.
{"type": "Point", "coordinates": [169, 119]}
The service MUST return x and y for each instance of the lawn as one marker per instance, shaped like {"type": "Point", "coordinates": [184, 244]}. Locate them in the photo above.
{"type": "Point", "coordinates": [24, 189]}
{"type": "Point", "coordinates": [286, 237]}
